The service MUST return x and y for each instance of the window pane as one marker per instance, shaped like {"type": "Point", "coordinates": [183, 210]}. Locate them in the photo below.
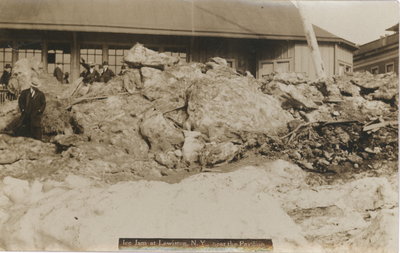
{"type": "Point", "coordinates": [111, 60]}
{"type": "Point", "coordinates": [67, 58]}
{"type": "Point", "coordinates": [84, 57]}
{"type": "Point", "coordinates": [375, 70]}
{"type": "Point", "coordinates": [51, 67]}
{"type": "Point", "coordinates": [114, 69]}
{"type": "Point", "coordinates": [67, 68]}
{"type": "Point", "coordinates": [389, 68]}
{"type": "Point", "coordinates": [119, 59]}
{"type": "Point", "coordinates": [91, 58]}
{"type": "Point", "coordinates": [59, 58]}
{"type": "Point", "coordinates": [98, 59]}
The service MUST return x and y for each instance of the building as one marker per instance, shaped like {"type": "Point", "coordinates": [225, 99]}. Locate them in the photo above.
{"type": "Point", "coordinates": [381, 55]}
{"type": "Point", "coordinates": [252, 35]}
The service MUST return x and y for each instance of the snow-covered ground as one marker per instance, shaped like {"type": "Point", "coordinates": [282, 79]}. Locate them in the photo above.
{"type": "Point", "coordinates": [268, 201]}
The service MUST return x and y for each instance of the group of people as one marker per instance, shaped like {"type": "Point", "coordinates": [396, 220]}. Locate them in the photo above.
{"type": "Point", "coordinates": [91, 74]}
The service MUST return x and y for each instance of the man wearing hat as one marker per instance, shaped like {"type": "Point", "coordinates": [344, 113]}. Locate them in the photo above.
{"type": "Point", "coordinates": [32, 103]}
{"type": "Point", "coordinates": [58, 73]}
{"type": "Point", "coordinates": [107, 73]}
{"type": "Point", "coordinates": [5, 78]}
{"type": "Point", "coordinates": [91, 75]}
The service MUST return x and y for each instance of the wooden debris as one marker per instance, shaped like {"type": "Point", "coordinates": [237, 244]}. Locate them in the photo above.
{"type": "Point", "coordinates": [86, 99]}
{"type": "Point", "coordinates": [78, 83]}
{"type": "Point", "coordinates": [377, 126]}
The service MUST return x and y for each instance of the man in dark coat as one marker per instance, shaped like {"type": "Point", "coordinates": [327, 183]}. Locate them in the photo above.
{"type": "Point", "coordinates": [32, 103]}
{"type": "Point", "coordinates": [58, 73]}
{"type": "Point", "coordinates": [90, 75]}
{"type": "Point", "coordinates": [107, 73]}
{"type": "Point", "coordinates": [5, 78]}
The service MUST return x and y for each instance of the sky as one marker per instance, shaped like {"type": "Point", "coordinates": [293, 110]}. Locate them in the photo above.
{"type": "Point", "coordinates": [357, 21]}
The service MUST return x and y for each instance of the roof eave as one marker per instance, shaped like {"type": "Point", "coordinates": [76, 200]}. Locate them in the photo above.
{"type": "Point", "coordinates": [152, 31]}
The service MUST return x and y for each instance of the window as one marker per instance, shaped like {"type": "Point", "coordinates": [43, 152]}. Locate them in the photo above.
{"type": "Point", "coordinates": [91, 54]}
{"type": "Point", "coordinates": [375, 70]}
{"type": "Point", "coordinates": [389, 67]}
{"type": "Point", "coordinates": [282, 66]}
{"type": "Point", "coordinates": [5, 55]}
{"type": "Point", "coordinates": [30, 53]}
{"type": "Point", "coordinates": [344, 68]}
{"type": "Point", "coordinates": [115, 58]}
{"type": "Point", "coordinates": [59, 56]}
{"type": "Point", "coordinates": [267, 67]}
{"type": "Point", "coordinates": [231, 63]}
{"type": "Point", "coordinates": [177, 52]}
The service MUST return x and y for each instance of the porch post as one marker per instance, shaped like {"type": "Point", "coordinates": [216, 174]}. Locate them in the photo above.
{"type": "Point", "coordinates": [75, 57]}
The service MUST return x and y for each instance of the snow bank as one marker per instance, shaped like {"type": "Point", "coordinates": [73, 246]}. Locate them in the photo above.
{"type": "Point", "coordinates": [270, 201]}
{"type": "Point", "coordinates": [83, 216]}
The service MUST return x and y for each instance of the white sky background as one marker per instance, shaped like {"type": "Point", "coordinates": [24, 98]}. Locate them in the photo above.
{"type": "Point", "coordinates": [357, 21]}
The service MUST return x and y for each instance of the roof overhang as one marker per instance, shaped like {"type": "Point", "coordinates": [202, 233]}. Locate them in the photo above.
{"type": "Point", "coordinates": [272, 19]}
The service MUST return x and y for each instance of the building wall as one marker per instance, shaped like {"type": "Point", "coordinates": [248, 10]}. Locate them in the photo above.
{"type": "Point", "coordinates": [260, 57]}
{"type": "Point", "coordinates": [303, 59]}
{"type": "Point", "coordinates": [335, 58]}
{"type": "Point", "coordinates": [240, 53]}
{"type": "Point", "coordinates": [379, 62]}
{"type": "Point", "coordinates": [275, 56]}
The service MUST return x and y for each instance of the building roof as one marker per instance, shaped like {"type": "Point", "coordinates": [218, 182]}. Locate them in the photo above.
{"type": "Point", "coordinates": [394, 28]}
{"type": "Point", "coordinates": [223, 18]}
{"type": "Point", "coordinates": [383, 43]}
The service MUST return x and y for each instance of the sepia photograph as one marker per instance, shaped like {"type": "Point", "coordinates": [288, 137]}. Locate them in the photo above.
{"type": "Point", "coordinates": [199, 126]}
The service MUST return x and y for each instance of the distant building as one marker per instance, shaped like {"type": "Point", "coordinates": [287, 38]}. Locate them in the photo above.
{"type": "Point", "coordinates": [258, 36]}
{"type": "Point", "coordinates": [379, 56]}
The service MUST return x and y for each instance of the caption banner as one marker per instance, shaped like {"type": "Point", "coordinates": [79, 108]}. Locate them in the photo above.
{"type": "Point", "coordinates": [195, 245]}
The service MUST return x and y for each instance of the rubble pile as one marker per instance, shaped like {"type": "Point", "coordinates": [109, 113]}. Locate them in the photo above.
{"type": "Point", "coordinates": [338, 124]}
{"type": "Point", "coordinates": [161, 117]}
{"type": "Point", "coordinates": [171, 117]}
{"type": "Point", "coordinates": [184, 114]}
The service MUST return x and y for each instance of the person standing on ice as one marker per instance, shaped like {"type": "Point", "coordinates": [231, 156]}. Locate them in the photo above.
{"type": "Point", "coordinates": [32, 104]}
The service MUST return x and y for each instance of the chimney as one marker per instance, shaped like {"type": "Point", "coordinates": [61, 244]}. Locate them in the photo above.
{"type": "Point", "coordinates": [384, 40]}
